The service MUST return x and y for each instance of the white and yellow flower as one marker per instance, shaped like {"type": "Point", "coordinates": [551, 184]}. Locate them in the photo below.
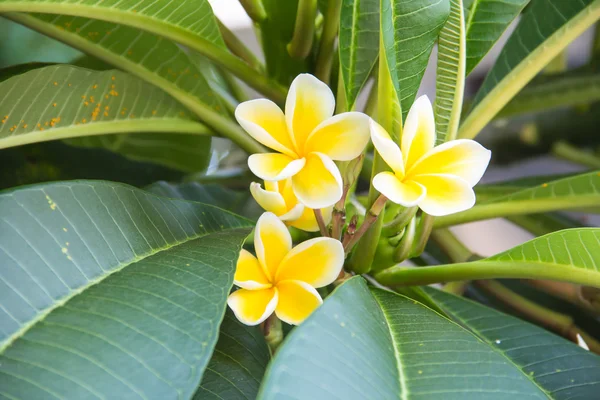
{"type": "Point", "coordinates": [306, 139]}
{"type": "Point", "coordinates": [279, 198]}
{"type": "Point", "coordinates": [438, 179]}
{"type": "Point", "coordinates": [283, 279]}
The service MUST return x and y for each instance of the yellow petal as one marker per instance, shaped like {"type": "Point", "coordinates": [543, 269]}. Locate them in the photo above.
{"type": "Point", "coordinates": [272, 242]}
{"type": "Point", "coordinates": [265, 122]}
{"type": "Point", "coordinates": [272, 186]}
{"type": "Point", "coordinates": [297, 300]}
{"type": "Point", "coordinates": [446, 194]}
{"type": "Point", "coordinates": [418, 136]}
{"type": "Point", "coordinates": [309, 102]}
{"type": "Point", "coordinates": [287, 192]}
{"type": "Point", "coordinates": [407, 194]}
{"type": "Point", "coordinates": [308, 222]}
{"type": "Point", "coordinates": [269, 201]}
{"type": "Point", "coordinates": [252, 307]}
{"type": "Point", "coordinates": [274, 166]}
{"type": "Point", "coordinates": [387, 148]}
{"type": "Point", "coordinates": [249, 274]}
{"type": "Point", "coordinates": [319, 183]}
{"type": "Point", "coordinates": [342, 137]}
{"type": "Point", "coordinates": [317, 262]}
{"type": "Point", "coordinates": [293, 214]}
{"type": "Point", "coordinates": [464, 158]}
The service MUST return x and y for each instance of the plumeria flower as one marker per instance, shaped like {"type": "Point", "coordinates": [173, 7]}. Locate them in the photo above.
{"type": "Point", "coordinates": [283, 279]}
{"type": "Point", "coordinates": [306, 140]}
{"type": "Point", "coordinates": [279, 198]}
{"type": "Point", "coordinates": [438, 179]}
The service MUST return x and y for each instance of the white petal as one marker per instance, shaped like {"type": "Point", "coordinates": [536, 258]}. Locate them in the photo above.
{"type": "Point", "coordinates": [272, 242]}
{"type": "Point", "coordinates": [293, 214]}
{"type": "Point", "coordinates": [446, 194]}
{"type": "Point", "coordinates": [274, 166]}
{"type": "Point", "coordinates": [269, 201]}
{"type": "Point", "coordinates": [251, 307]}
{"type": "Point", "coordinates": [407, 194]}
{"type": "Point", "coordinates": [387, 148]}
{"type": "Point", "coordinates": [319, 183]}
{"type": "Point", "coordinates": [342, 137]}
{"type": "Point", "coordinates": [418, 136]}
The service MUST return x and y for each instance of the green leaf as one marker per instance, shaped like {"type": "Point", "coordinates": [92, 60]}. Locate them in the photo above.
{"type": "Point", "coordinates": [545, 29]}
{"type": "Point", "coordinates": [575, 192]}
{"type": "Point", "coordinates": [561, 90]}
{"type": "Point", "coordinates": [562, 370]}
{"type": "Point", "coordinates": [62, 101]}
{"type": "Point", "coordinates": [409, 30]}
{"type": "Point", "coordinates": [191, 24]}
{"type": "Point", "coordinates": [450, 78]}
{"type": "Point", "coordinates": [238, 363]}
{"type": "Point", "coordinates": [358, 44]}
{"type": "Point", "coordinates": [109, 291]}
{"type": "Point", "coordinates": [488, 20]}
{"type": "Point", "coordinates": [570, 255]}
{"type": "Point", "coordinates": [365, 344]}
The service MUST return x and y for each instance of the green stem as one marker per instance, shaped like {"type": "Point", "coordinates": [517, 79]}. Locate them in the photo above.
{"type": "Point", "coordinates": [406, 244]}
{"type": "Point", "coordinates": [273, 332]}
{"type": "Point", "coordinates": [396, 225]}
{"type": "Point", "coordinates": [425, 227]}
{"type": "Point", "coordinates": [238, 48]}
{"type": "Point", "coordinates": [321, 222]}
{"type": "Point", "coordinates": [304, 30]}
{"type": "Point", "coordinates": [451, 246]}
{"type": "Point", "coordinates": [517, 207]}
{"type": "Point", "coordinates": [254, 9]}
{"type": "Point", "coordinates": [330, 30]}
{"type": "Point", "coordinates": [568, 152]}
{"type": "Point", "coordinates": [408, 276]}
{"type": "Point", "coordinates": [372, 216]}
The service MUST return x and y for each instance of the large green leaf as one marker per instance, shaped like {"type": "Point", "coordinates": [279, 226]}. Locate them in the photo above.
{"type": "Point", "coordinates": [62, 101]}
{"type": "Point", "coordinates": [562, 370]}
{"type": "Point", "coordinates": [545, 29]}
{"type": "Point", "coordinates": [574, 192]}
{"type": "Point", "coordinates": [409, 30]}
{"type": "Point", "coordinates": [450, 79]}
{"type": "Point", "coordinates": [570, 255]}
{"type": "Point", "coordinates": [189, 22]}
{"type": "Point", "coordinates": [488, 20]}
{"type": "Point", "coordinates": [373, 344]}
{"type": "Point", "coordinates": [109, 291]}
{"type": "Point", "coordinates": [359, 44]}
{"type": "Point", "coordinates": [238, 363]}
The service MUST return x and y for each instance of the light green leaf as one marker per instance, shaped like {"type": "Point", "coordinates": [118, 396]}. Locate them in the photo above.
{"type": "Point", "coordinates": [238, 363]}
{"type": "Point", "coordinates": [359, 44]}
{"type": "Point", "coordinates": [545, 29]}
{"type": "Point", "coordinates": [488, 20]}
{"type": "Point", "coordinates": [62, 101]}
{"type": "Point", "coordinates": [450, 78]}
{"type": "Point", "coordinates": [574, 192]}
{"type": "Point", "coordinates": [562, 370]}
{"type": "Point", "coordinates": [109, 291]}
{"type": "Point", "coordinates": [373, 344]}
{"type": "Point", "coordinates": [570, 255]}
{"type": "Point", "coordinates": [409, 30]}
{"type": "Point", "coordinates": [191, 23]}
{"type": "Point", "coordinates": [562, 90]}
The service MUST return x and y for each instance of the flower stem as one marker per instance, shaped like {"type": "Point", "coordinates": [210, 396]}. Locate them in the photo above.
{"type": "Point", "coordinates": [370, 218]}
{"type": "Point", "coordinates": [330, 30]}
{"type": "Point", "coordinates": [273, 332]}
{"type": "Point", "coordinates": [396, 225]}
{"type": "Point", "coordinates": [321, 222]}
{"type": "Point", "coordinates": [451, 246]}
{"type": "Point", "coordinates": [425, 226]}
{"type": "Point", "coordinates": [254, 9]}
{"type": "Point", "coordinates": [304, 30]}
{"type": "Point", "coordinates": [238, 48]}
{"type": "Point", "coordinates": [568, 152]}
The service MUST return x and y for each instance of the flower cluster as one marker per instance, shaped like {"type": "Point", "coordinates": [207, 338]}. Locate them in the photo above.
{"type": "Point", "coordinates": [300, 176]}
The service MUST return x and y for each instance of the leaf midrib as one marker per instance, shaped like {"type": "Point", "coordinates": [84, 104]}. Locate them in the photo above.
{"type": "Point", "coordinates": [61, 302]}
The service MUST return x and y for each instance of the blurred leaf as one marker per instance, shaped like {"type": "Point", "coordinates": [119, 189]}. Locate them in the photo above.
{"type": "Point", "coordinates": [62, 101]}
{"type": "Point", "coordinates": [488, 20]}
{"type": "Point", "coordinates": [545, 29]}
{"type": "Point", "coordinates": [358, 44]}
{"type": "Point", "coordinates": [110, 291]}
{"type": "Point", "coordinates": [409, 30]}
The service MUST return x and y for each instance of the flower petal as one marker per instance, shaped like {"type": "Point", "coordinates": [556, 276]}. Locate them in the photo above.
{"type": "Point", "coordinates": [342, 137]}
{"type": "Point", "coordinates": [272, 242]}
{"type": "Point", "coordinates": [265, 122]}
{"type": "Point", "coordinates": [308, 222]}
{"type": "Point", "coordinates": [252, 307]}
{"type": "Point", "coordinates": [293, 214]}
{"type": "Point", "coordinates": [274, 166]}
{"type": "Point", "coordinates": [309, 102]}
{"type": "Point", "coordinates": [268, 200]}
{"type": "Point", "coordinates": [464, 158]}
{"type": "Point", "coordinates": [387, 148]}
{"type": "Point", "coordinates": [317, 262]}
{"type": "Point", "coordinates": [319, 183]}
{"type": "Point", "coordinates": [418, 136]}
{"type": "Point", "coordinates": [407, 194]}
{"type": "Point", "coordinates": [297, 300]}
{"type": "Point", "coordinates": [249, 274]}
{"type": "Point", "coordinates": [446, 194]}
